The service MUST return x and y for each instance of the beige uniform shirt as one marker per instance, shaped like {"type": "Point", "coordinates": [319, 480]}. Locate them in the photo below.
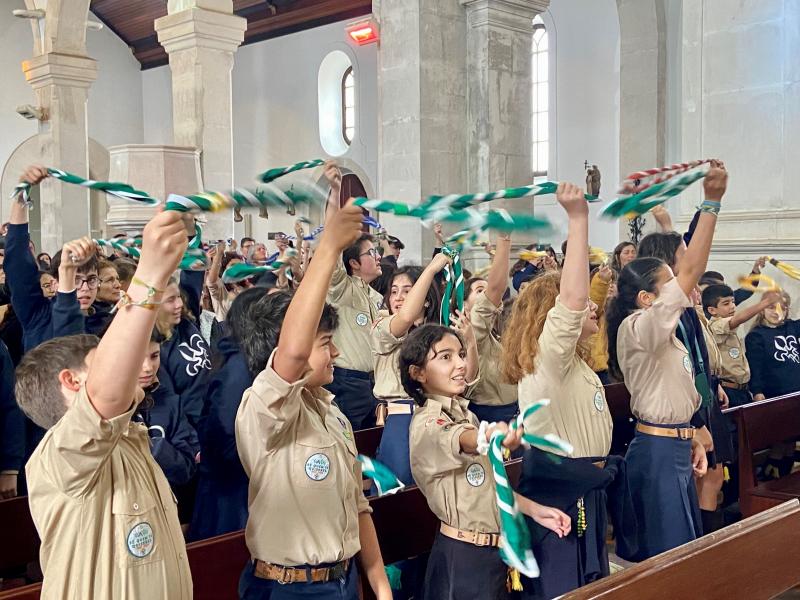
{"type": "Point", "coordinates": [358, 306]}
{"type": "Point", "coordinates": [104, 511]}
{"type": "Point", "coordinates": [578, 412]}
{"type": "Point", "coordinates": [305, 491]}
{"type": "Point", "coordinates": [221, 300]}
{"type": "Point", "coordinates": [714, 355]}
{"type": "Point", "coordinates": [489, 390]}
{"type": "Point", "coordinates": [656, 365]}
{"type": "Point", "coordinates": [386, 351]}
{"type": "Point", "coordinates": [735, 367]}
{"type": "Point", "coordinates": [459, 487]}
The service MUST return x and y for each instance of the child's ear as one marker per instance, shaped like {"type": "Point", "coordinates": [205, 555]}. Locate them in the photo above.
{"type": "Point", "coordinates": [712, 310]}
{"type": "Point", "coordinates": [417, 374]}
{"type": "Point", "coordinates": [69, 379]}
{"type": "Point", "coordinates": [354, 264]}
{"type": "Point", "coordinates": [644, 299]}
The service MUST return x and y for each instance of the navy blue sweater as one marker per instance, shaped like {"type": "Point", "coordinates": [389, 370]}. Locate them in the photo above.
{"type": "Point", "coordinates": [774, 357]}
{"type": "Point", "coordinates": [185, 366]}
{"type": "Point", "coordinates": [41, 319]}
{"type": "Point", "coordinates": [12, 421]}
{"type": "Point", "coordinates": [222, 487]}
{"type": "Point", "coordinates": [173, 441]}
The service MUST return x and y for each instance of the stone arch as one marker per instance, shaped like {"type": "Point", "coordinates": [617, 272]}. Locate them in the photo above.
{"type": "Point", "coordinates": [30, 152]}
{"type": "Point", "coordinates": [347, 166]}
{"type": "Point", "coordinates": [63, 29]}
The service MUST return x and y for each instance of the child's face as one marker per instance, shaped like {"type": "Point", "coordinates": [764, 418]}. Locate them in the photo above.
{"type": "Point", "coordinates": [172, 305]}
{"type": "Point", "coordinates": [401, 285]}
{"type": "Point", "coordinates": [590, 326]}
{"type": "Point", "coordinates": [774, 315]}
{"type": "Point", "coordinates": [152, 360]}
{"type": "Point", "coordinates": [472, 294]}
{"type": "Point", "coordinates": [725, 308]}
{"type": "Point", "coordinates": [444, 373]}
{"type": "Point", "coordinates": [323, 353]}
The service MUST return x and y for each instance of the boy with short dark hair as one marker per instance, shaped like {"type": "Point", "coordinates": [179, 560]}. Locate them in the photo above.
{"type": "Point", "coordinates": [103, 508]}
{"type": "Point", "coordinates": [724, 318]}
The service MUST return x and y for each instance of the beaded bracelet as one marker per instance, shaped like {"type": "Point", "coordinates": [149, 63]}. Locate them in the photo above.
{"type": "Point", "coordinates": [151, 290]}
{"type": "Point", "coordinates": [710, 206]}
{"type": "Point", "coordinates": [125, 300]}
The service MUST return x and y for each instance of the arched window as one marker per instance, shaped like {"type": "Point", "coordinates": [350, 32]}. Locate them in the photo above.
{"type": "Point", "coordinates": [348, 105]}
{"type": "Point", "coordinates": [540, 91]}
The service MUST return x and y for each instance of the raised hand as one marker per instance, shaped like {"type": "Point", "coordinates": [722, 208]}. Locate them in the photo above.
{"type": "Point", "coordinates": [716, 181]}
{"type": "Point", "coordinates": [333, 174]}
{"type": "Point", "coordinates": [78, 252]}
{"type": "Point", "coordinates": [342, 228]}
{"type": "Point", "coordinates": [163, 245]}
{"type": "Point", "coordinates": [570, 197]}
{"type": "Point", "coordinates": [34, 174]}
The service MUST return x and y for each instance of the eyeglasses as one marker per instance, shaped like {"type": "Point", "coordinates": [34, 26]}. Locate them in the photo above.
{"type": "Point", "coordinates": [373, 252]}
{"type": "Point", "coordinates": [91, 282]}
{"type": "Point", "coordinates": [50, 286]}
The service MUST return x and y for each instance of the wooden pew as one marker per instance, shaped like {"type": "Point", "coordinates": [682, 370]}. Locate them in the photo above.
{"type": "Point", "coordinates": [755, 559]}
{"type": "Point", "coordinates": [20, 541]}
{"type": "Point", "coordinates": [760, 426]}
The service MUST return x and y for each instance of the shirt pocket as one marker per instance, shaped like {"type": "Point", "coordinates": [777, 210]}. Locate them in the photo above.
{"type": "Point", "coordinates": [316, 462]}
{"type": "Point", "coordinates": [138, 536]}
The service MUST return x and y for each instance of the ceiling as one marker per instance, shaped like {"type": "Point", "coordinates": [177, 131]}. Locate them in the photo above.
{"type": "Point", "coordinates": [132, 20]}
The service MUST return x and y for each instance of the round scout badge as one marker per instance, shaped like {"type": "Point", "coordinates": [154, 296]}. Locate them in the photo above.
{"type": "Point", "coordinates": [318, 466]}
{"type": "Point", "coordinates": [598, 400]}
{"type": "Point", "coordinates": [734, 353]}
{"type": "Point", "coordinates": [362, 320]}
{"type": "Point", "coordinates": [687, 364]}
{"type": "Point", "coordinates": [141, 540]}
{"type": "Point", "coordinates": [476, 475]}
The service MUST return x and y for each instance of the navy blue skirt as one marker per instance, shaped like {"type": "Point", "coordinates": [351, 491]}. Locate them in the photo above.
{"type": "Point", "coordinates": [494, 413]}
{"type": "Point", "coordinates": [663, 492]}
{"type": "Point", "coordinates": [254, 588]}
{"type": "Point", "coordinates": [461, 571]}
{"type": "Point", "coordinates": [393, 449]}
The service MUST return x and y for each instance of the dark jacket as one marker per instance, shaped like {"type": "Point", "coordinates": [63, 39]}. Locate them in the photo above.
{"type": "Point", "coordinates": [221, 504]}
{"type": "Point", "coordinates": [99, 317]}
{"type": "Point", "coordinates": [774, 357]}
{"type": "Point", "coordinates": [185, 366]}
{"type": "Point", "coordinates": [41, 319]}
{"type": "Point", "coordinates": [173, 441]}
{"type": "Point", "coordinates": [12, 420]}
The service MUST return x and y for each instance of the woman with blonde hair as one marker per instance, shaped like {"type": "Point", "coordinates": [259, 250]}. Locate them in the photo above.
{"type": "Point", "coordinates": [545, 352]}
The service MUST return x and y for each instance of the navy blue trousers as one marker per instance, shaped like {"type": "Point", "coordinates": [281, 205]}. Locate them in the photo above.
{"type": "Point", "coordinates": [494, 414]}
{"type": "Point", "coordinates": [462, 571]}
{"type": "Point", "coordinates": [254, 588]}
{"type": "Point", "coordinates": [663, 492]}
{"type": "Point", "coordinates": [353, 396]}
{"type": "Point", "coordinates": [393, 450]}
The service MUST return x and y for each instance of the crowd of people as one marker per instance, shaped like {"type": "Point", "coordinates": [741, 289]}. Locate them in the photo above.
{"type": "Point", "coordinates": [141, 407]}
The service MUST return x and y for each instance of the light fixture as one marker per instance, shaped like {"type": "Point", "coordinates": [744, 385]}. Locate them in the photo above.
{"type": "Point", "coordinates": [363, 32]}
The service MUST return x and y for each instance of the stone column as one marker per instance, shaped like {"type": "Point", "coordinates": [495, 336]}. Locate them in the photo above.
{"type": "Point", "coordinates": [499, 105]}
{"type": "Point", "coordinates": [200, 37]}
{"type": "Point", "coordinates": [422, 78]}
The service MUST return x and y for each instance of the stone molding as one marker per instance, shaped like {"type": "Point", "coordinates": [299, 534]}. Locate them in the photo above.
{"type": "Point", "coordinates": [513, 15]}
{"type": "Point", "coordinates": [197, 27]}
{"type": "Point", "coordinates": [60, 69]}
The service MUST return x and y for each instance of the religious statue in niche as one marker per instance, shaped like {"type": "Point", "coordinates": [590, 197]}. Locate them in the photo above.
{"type": "Point", "coordinates": [592, 180]}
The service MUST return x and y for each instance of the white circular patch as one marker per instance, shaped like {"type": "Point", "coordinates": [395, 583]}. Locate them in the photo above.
{"type": "Point", "coordinates": [362, 320]}
{"type": "Point", "coordinates": [734, 353]}
{"type": "Point", "coordinates": [476, 475]}
{"type": "Point", "coordinates": [687, 364]}
{"type": "Point", "coordinates": [318, 466]}
{"type": "Point", "coordinates": [141, 540]}
{"type": "Point", "coordinates": [598, 401]}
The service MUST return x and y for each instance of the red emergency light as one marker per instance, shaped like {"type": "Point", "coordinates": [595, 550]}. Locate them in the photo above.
{"type": "Point", "coordinates": [363, 32]}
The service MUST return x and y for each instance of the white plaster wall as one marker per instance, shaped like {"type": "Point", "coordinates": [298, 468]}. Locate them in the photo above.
{"type": "Point", "coordinates": [115, 98]}
{"type": "Point", "coordinates": [157, 106]}
{"type": "Point", "coordinates": [586, 96]}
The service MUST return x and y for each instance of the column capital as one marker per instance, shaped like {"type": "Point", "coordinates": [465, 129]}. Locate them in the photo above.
{"type": "Point", "coordinates": [60, 69]}
{"type": "Point", "coordinates": [200, 27]}
{"type": "Point", "coordinates": [514, 15]}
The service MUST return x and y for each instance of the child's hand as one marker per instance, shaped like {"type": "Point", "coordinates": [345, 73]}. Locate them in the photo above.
{"type": "Point", "coordinates": [605, 273]}
{"type": "Point", "coordinates": [77, 252]}
{"type": "Point", "coordinates": [716, 182]}
{"type": "Point", "coordinates": [570, 196]}
{"type": "Point", "coordinates": [298, 231]}
{"type": "Point", "coordinates": [462, 323]}
{"type": "Point", "coordinates": [34, 174]}
{"type": "Point", "coordinates": [771, 299]}
{"type": "Point", "coordinates": [760, 263]}
{"type": "Point", "coordinates": [343, 228]}
{"type": "Point", "coordinates": [333, 175]}
{"type": "Point", "coordinates": [440, 261]}
{"type": "Point", "coordinates": [699, 459]}
{"type": "Point", "coordinates": [724, 402]}
{"type": "Point", "coordinates": [163, 245]}
{"type": "Point", "coordinates": [437, 233]}
{"type": "Point", "coordinates": [548, 517]}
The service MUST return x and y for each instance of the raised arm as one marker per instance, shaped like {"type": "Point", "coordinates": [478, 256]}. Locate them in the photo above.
{"type": "Point", "coordinates": [113, 375]}
{"type": "Point", "coordinates": [334, 177]}
{"type": "Point", "coordinates": [212, 276]}
{"type": "Point", "coordinates": [415, 300]}
{"type": "Point", "coordinates": [663, 218]}
{"type": "Point", "coordinates": [302, 317]}
{"type": "Point", "coordinates": [743, 315]}
{"type": "Point", "coordinates": [574, 292]}
{"type": "Point", "coordinates": [693, 264]}
{"type": "Point", "coordinates": [497, 283]}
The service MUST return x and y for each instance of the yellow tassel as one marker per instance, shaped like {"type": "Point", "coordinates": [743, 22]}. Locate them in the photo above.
{"type": "Point", "coordinates": [597, 256]}
{"type": "Point", "coordinates": [531, 254]}
{"type": "Point", "coordinates": [726, 474]}
{"type": "Point", "coordinates": [514, 581]}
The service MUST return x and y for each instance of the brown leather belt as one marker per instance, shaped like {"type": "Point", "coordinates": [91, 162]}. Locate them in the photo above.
{"type": "Point", "coordinates": [733, 386]}
{"type": "Point", "coordinates": [284, 575]}
{"type": "Point", "coordinates": [399, 408]}
{"type": "Point", "coordinates": [681, 433]}
{"type": "Point", "coordinates": [471, 537]}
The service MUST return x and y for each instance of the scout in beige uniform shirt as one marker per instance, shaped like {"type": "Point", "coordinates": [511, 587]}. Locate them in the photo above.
{"type": "Point", "coordinates": [358, 306]}
{"type": "Point", "coordinates": [714, 356]}
{"type": "Point", "coordinates": [578, 412]}
{"type": "Point", "coordinates": [105, 510]}
{"type": "Point", "coordinates": [457, 486]}
{"type": "Point", "coordinates": [734, 367]}
{"type": "Point", "coordinates": [385, 351]}
{"type": "Point", "coordinates": [490, 390]}
{"type": "Point", "coordinates": [305, 490]}
{"type": "Point", "coordinates": [657, 368]}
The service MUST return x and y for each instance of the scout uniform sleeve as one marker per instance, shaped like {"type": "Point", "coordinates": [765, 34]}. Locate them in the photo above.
{"type": "Point", "coordinates": [382, 340]}
{"type": "Point", "coordinates": [559, 337]}
{"type": "Point", "coordinates": [268, 409]}
{"type": "Point", "coordinates": [80, 443]}
{"type": "Point", "coordinates": [655, 326]}
{"type": "Point", "coordinates": [483, 314]}
{"type": "Point", "coordinates": [435, 443]}
{"type": "Point", "coordinates": [720, 326]}
{"type": "Point", "coordinates": [340, 282]}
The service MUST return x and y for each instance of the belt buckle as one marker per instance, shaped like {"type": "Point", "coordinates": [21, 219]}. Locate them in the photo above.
{"type": "Point", "coordinates": [478, 537]}
{"type": "Point", "coordinates": [286, 576]}
{"type": "Point", "coordinates": [683, 433]}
